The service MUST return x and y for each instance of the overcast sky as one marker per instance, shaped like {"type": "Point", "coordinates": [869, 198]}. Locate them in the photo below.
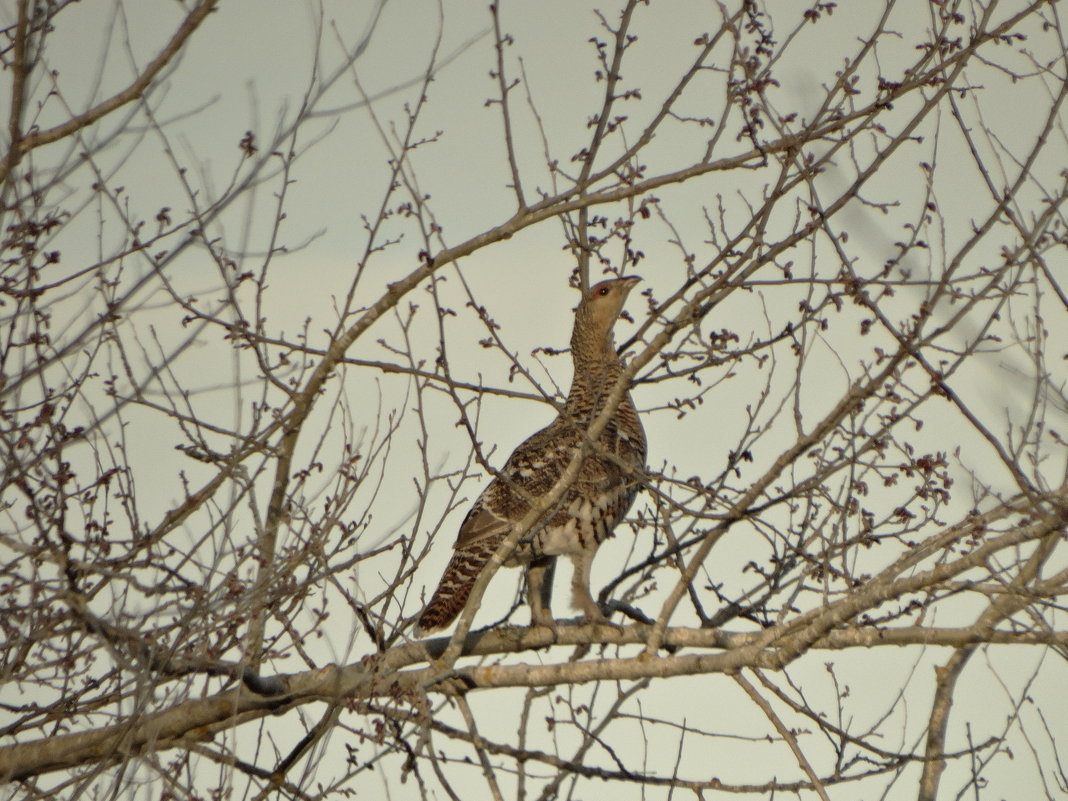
{"type": "Point", "coordinates": [251, 68]}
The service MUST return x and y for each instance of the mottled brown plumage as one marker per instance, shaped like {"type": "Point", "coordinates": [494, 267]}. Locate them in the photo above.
{"type": "Point", "coordinates": [592, 506]}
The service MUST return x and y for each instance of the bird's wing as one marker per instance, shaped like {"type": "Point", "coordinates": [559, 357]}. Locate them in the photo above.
{"type": "Point", "coordinates": [479, 524]}
{"type": "Point", "coordinates": [530, 471]}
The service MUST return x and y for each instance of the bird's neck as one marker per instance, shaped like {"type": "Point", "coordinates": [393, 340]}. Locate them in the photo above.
{"type": "Point", "coordinates": [597, 368]}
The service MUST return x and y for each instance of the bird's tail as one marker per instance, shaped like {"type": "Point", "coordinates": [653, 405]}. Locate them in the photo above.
{"type": "Point", "coordinates": [455, 586]}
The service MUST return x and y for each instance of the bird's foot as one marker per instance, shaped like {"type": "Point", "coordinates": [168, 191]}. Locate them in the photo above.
{"type": "Point", "coordinates": [543, 618]}
{"type": "Point", "coordinates": [594, 616]}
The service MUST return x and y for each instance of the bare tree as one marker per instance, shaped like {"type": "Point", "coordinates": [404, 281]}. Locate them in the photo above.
{"type": "Point", "coordinates": [251, 379]}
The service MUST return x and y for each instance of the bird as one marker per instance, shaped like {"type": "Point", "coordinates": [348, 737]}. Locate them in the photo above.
{"type": "Point", "coordinates": [609, 478]}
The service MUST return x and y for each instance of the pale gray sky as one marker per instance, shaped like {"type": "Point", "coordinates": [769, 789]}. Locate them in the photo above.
{"type": "Point", "coordinates": [251, 68]}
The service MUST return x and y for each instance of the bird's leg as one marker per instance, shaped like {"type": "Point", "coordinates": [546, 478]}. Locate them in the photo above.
{"type": "Point", "coordinates": [580, 589]}
{"type": "Point", "coordinates": [540, 591]}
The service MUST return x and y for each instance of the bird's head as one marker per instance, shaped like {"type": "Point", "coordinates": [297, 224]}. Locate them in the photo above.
{"type": "Point", "coordinates": [600, 308]}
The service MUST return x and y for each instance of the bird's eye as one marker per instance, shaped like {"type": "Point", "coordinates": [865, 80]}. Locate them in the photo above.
{"type": "Point", "coordinates": [602, 291]}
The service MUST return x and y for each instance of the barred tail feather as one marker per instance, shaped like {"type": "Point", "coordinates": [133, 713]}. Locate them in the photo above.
{"type": "Point", "coordinates": [455, 587]}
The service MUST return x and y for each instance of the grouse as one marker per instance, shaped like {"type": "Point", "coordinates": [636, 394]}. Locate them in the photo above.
{"type": "Point", "coordinates": [589, 510]}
